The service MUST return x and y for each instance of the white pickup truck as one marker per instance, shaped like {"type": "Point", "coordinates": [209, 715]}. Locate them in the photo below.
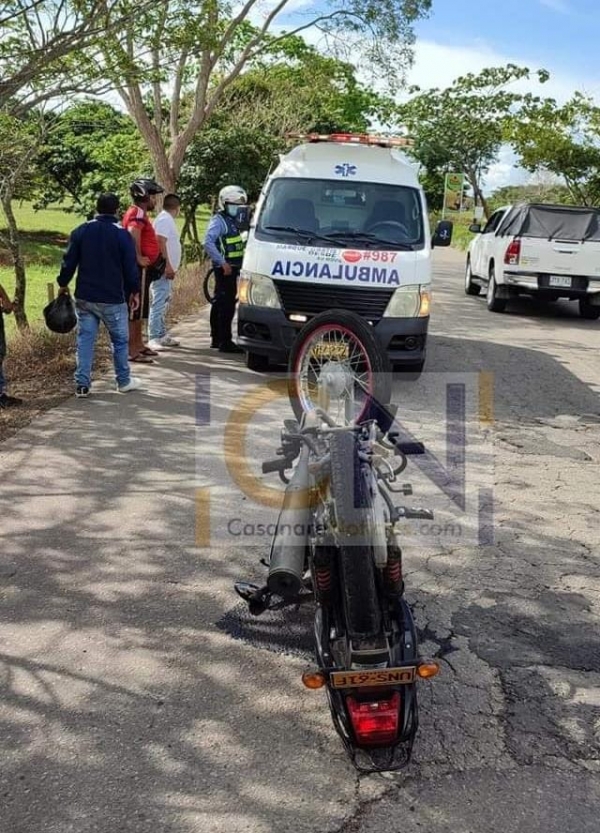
{"type": "Point", "coordinates": [547, 251]}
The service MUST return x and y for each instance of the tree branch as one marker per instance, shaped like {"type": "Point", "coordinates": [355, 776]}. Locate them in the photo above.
{"type": "Point", "coordinates": [176, 95]}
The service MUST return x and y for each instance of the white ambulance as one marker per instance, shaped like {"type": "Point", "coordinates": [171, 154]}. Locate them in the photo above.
{"type": "Point", "coordinates": [341, 223]}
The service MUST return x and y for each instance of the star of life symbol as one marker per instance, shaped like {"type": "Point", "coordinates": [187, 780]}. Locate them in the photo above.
{"type": "Point", "coordinates": [345, 169]}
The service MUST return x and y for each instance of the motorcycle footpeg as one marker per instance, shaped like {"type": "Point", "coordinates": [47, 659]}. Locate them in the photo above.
{"type": "Point", "coordinates": [413, 513]}
{"type": "Point", "coordinates": [257, 598]}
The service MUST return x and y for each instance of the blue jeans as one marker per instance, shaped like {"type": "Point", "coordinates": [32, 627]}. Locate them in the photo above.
{"type": "Point", "coordinates": [160, 296]}
{"type": "Point", "coordinates": [115, 319]}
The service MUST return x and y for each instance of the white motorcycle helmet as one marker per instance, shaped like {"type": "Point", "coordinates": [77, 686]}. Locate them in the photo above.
{"type": "Point", "coordinates": [232, 194]}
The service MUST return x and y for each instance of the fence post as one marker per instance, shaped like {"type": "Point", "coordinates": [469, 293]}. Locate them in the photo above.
{"type": "Point", "coordinates": [50, 290]}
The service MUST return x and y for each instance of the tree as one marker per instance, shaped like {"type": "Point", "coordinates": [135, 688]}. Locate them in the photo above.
{"type": "Point", "coordinates": [90, 147]}
{"type": "Point", "coordinates": [188, 54]}
{"type": "Point", "coordinates": [537, 191]}
{"type": "Point", "coordinates": [40, 43]}
{"type": "Point", "coordinates": [39, 62]}
{"type": "Point", "coordinates": [248, 129]}
{"type": "Point", "coordinates": [563, 140]}
{"type": "Point", "coordinates": [462, 127]}
{"type": "Point", "coordinates": [19, 142]}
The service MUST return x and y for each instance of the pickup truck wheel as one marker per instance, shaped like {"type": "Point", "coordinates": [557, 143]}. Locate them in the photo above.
{"type": "Point", "coordinates": [254, 361]}
{"type": "Point", "coordinates": [494, 304]}
{"type": "Point", "coordinates": [470, 287]}
{"type": "Point", "coordinates": [587, 310]}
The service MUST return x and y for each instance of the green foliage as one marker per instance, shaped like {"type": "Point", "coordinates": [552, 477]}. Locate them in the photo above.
{"type": "Point", "coordinates": [307, 92]}
{"type": "Point", "coordinates": [564, 140]}
{"type": "Point", "coordinates": [551, 192]}
{"type": "Point", "coordinates": [90, 148]}
{"type": "Point", "coordinates": [462, 127]}
{"type": "Point", "coordinates": [219, 157]}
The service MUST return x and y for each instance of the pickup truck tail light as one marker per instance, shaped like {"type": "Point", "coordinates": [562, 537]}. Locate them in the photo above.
{"type": "Point", "coordinates": [513, 253]}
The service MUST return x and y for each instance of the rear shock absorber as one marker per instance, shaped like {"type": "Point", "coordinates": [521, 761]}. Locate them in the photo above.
{"type": "Point", "coordinates": [394, 581]}
{"type": "Point", "coordinates": [323, 562]}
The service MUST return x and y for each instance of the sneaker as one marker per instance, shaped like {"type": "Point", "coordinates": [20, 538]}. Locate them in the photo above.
{"type": "Point", "coordinates": [7, 401]}
{"type": "Point", "coordinates": [169, 341]}
{"type": "Point", "coordinates": [156, 344]}
{"type": "Point", "coordinates": [133, 384]}
{"type": "Point", "coordinates": [230, 347]}
{"type": "Point", "coordinates": [82, 392]}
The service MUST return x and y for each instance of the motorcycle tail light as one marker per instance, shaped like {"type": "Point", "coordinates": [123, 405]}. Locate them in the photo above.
{"type": "Point", "coordinates": [375, 722]}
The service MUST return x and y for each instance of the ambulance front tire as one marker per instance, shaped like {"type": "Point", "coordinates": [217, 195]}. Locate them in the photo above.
{"type": "Point", "coordinates": [257, 362]}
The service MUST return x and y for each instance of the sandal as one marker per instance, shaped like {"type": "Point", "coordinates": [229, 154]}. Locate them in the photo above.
{"type": "Point", "coordinates": [142, 359]}
{"type": "Point", "coordinates": [148, 352]}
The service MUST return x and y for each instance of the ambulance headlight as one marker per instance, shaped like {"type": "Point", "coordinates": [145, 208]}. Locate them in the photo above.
{"type": "Point", "coordinates": [409, 302]}
{"type": "Point", "coordinates": [257, 291]}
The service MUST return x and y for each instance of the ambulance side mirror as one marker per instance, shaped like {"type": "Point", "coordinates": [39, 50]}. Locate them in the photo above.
{"type": "Point", "coordinates": [443, 234]}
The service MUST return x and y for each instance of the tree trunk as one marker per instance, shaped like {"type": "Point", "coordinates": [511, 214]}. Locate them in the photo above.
{"type": "Point", "coordinates": [14, 246]}
{"type": "Point", "coordinates": [186, 227]}
{"type": "Point", "coordinates": [474, 183]}
{"type": "Point", "coordinates": [165, 175]}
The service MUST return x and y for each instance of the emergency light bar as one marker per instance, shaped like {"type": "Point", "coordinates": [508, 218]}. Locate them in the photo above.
{"type": "Point", "coordinates": [354, 138]}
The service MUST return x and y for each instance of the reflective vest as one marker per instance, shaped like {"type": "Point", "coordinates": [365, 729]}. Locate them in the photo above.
{"type": "Point", "coordinates": [231, 243]}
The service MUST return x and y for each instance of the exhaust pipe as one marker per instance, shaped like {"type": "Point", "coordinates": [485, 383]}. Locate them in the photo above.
{"type": "Point", "coordinates": [288, 550]}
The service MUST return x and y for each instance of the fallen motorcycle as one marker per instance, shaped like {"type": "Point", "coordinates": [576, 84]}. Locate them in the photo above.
{"type": "Point", "coordinates": [337, 543]}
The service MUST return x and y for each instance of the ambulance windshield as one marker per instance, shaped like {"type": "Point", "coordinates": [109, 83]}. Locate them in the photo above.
{"type": "Point", "coordinates": [345, 214]}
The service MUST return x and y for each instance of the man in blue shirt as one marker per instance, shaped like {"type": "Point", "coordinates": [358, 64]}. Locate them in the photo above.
{"type": "Point", "coordinates": [108, 282]}
{"type": "Point", "coordinates": [224, 245]}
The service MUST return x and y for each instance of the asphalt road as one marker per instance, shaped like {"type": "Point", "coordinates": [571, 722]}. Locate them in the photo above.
{"type": "Point", "coordinates": [137, 696]}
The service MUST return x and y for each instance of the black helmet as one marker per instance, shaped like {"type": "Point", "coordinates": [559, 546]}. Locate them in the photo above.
{"type": "Point", "coordinates": [144, 187]}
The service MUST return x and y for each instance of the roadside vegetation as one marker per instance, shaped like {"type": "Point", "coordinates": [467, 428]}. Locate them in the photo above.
{"type": "Point", "coordinates": [202, 96]}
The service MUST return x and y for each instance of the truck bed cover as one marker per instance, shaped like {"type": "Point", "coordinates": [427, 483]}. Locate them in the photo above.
{"type": "Point", "coordinates": [552, 222]}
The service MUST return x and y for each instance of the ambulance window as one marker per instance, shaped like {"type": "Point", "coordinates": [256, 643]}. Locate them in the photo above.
{"type": "Point", "coordinates": [328, 208]}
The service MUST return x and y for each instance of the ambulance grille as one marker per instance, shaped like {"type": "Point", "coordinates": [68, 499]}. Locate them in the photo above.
{"type": "Point", "coordinates": [311, 299]}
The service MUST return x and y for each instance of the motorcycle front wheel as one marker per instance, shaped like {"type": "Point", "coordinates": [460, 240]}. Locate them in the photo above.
{"type": "Point", "coordinates": [336, 364]}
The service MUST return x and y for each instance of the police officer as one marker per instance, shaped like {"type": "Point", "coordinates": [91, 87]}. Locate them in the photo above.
{"type": "Point", "coordinates": [224, 245]}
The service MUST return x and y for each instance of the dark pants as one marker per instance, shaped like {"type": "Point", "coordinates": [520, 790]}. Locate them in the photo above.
{"type": "Point", "coordinates": [223, 307]}
{"type": "Point", "coordinates": [143, 310]}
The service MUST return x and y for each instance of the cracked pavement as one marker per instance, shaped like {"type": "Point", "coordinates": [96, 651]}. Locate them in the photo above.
{"type": "Point", "coordinates": [136, 695]}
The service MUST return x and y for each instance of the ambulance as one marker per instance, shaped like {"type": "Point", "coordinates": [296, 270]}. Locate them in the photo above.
{"type": "Point", "coordinates": [341, 223]}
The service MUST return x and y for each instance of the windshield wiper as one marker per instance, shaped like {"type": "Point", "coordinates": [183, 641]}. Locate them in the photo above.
{"type": "Point", "coordinates": [301, 232]}
{"type": "Point", "coordinates": [366, 236]}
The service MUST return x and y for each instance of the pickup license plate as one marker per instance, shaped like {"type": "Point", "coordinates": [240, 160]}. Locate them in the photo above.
{"type": "Point", "coordinates": [560, 280]}
{"type": "Point", "coordinates": [361, 679]}
{"type": "Point", "coordinates": [337, 351]}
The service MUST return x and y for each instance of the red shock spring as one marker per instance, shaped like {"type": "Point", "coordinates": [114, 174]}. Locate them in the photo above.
{"type": "Point", "coordinates": [393, 572]}
{"type": "Point", "coordinates": [323, 579]}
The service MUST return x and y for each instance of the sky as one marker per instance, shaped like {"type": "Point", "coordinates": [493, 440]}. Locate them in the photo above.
{"type": "Point", "coordinates": [562, 36]}
{"type": "Point", "coordinates": [459, 36]}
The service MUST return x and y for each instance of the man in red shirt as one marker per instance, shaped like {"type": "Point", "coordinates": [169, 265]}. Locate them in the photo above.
{"type": "Point", "coordinates": [147, 250]}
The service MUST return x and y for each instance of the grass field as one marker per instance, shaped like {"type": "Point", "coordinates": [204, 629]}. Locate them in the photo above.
{"type": "Point", "coordinates": [45, 235]}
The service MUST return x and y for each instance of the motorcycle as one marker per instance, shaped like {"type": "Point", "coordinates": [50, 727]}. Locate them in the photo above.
{"type": "Point", "coordinates": [337, 543]}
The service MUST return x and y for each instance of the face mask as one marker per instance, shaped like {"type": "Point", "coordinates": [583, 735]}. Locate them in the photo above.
{"type": "Point", "coordinates": [232, 210]}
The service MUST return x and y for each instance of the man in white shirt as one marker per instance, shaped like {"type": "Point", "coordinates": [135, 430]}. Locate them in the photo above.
{"type": "Point", "coordinates": [162, 288]}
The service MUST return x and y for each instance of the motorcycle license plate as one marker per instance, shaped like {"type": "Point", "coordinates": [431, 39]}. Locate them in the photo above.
{"type": "Point", "coordinates": [337, 351]}
{"type": "Point", "coordinates": [560, 280]}
{"type": "Point", "coordinates": [383, 676]}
